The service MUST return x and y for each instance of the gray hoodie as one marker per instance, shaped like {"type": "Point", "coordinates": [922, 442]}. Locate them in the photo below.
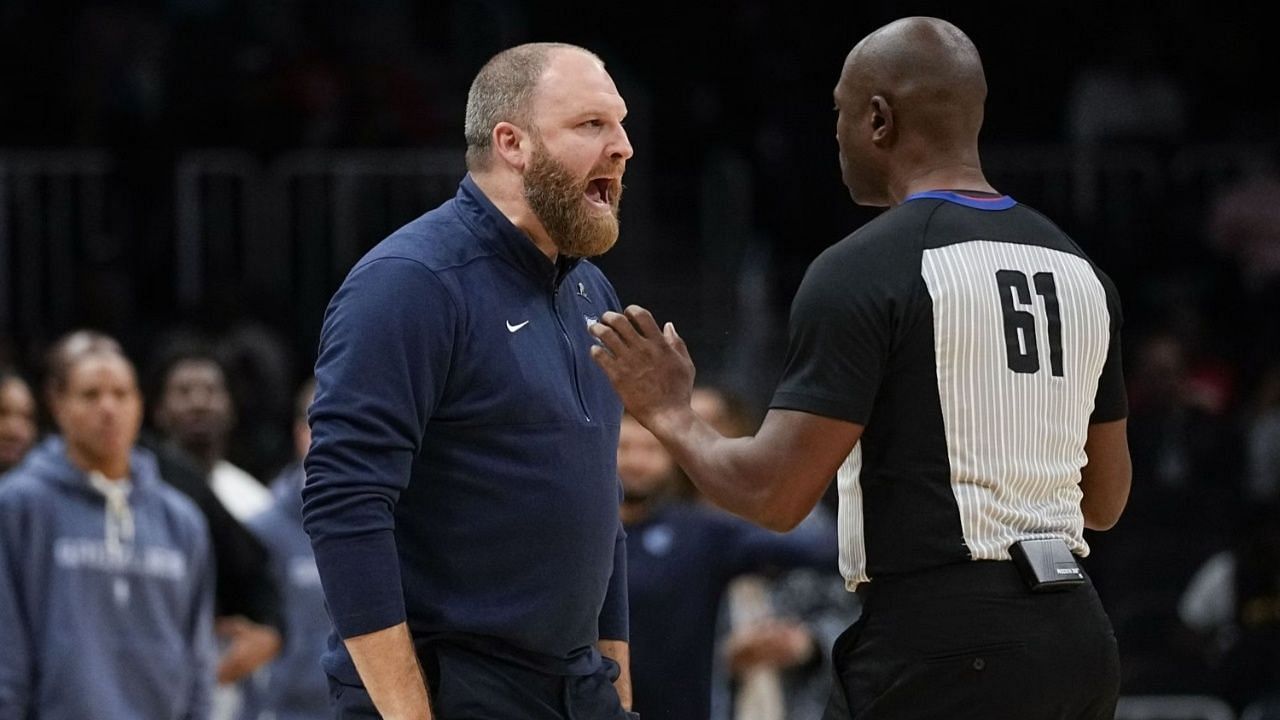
{"type": "Point", "coordinates": [106, 605]}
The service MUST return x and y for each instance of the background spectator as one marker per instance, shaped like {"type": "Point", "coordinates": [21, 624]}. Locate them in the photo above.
{"type": "Point", "coordinates": [106, 592]}
{"type": "Point", "coordinates": [194, 411]}
{"type": "Point", "coordinates": [774, 631]}
{"type": "Point", "coordinates": [17, 419]}
{"type": "Point", "coordinates": [293, 686]}
{"type": "Point", "coordinates": [195, 415]}
{"type": "Point", "coordinates": [681, 556]}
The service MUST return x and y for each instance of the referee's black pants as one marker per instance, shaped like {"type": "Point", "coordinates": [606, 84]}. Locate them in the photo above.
{"type": "Point", "coordinates": [971, 641]}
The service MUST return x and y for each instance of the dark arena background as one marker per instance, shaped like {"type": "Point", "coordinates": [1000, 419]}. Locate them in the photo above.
{"type": "Point", "coordinates": [216, 167]}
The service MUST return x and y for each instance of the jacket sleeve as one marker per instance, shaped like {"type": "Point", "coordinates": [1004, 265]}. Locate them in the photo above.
{"type": "Point", "coordinates": [614, 614]}
{"type": "Point", "coordinates": [385, 352]}
{"type": "Point", "coordinates": [203, 648]}
{"type": "Point", "coordinates": [16, 661]}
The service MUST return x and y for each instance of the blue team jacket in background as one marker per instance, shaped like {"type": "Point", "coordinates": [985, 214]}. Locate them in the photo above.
{"type": "Point", "coordinates": [90, 633]}
{"type": "Point", "coordinates": [680, 561]}
{"type": "Point", "coordinates": [462, 473]}
{"type": "Point", "coordinates": [292, 686]}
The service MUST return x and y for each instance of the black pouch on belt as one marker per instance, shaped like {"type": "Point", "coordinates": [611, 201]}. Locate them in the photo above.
{"type": "Point", "coordinates": [1046, 564]}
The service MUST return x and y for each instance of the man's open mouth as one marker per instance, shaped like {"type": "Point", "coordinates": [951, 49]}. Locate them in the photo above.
{"type": "Point", "coordinates": [600, 191]}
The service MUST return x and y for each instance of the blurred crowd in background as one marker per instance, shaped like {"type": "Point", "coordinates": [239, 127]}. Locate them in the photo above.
{"type": "Point", "coordinates": [150, 188]}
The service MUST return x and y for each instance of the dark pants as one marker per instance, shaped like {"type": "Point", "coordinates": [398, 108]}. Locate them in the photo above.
{"type": "Point", "coordinates": [467, 685]}
{"type": "Point", "coordinates": [970, 641]}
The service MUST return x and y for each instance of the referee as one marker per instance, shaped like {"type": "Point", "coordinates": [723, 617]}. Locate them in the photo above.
{"type": "Point", "coordinates": [955, 363]}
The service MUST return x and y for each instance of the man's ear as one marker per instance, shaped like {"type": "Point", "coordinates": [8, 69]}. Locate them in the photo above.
{"type": "Point", "coordinates": [510, 144]}
{"type": "Point", "coordinates": [882, 125]}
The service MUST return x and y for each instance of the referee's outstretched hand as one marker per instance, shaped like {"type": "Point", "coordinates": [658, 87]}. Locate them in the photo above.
{"type": "Point", "coordinates": [649, 367]}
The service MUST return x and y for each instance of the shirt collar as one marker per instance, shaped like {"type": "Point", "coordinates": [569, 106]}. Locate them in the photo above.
{"type": "Point", "coordinates": [983, 202]}
{"type": "Point", "coordinates": [509, 242]}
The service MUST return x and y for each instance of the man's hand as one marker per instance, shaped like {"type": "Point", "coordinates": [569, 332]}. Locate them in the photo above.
{"type": "Point", "coordinates": [249, 647]}
{"type": "Point", "coordinates": [649, 367]}
{"type": "Point", "coordinates": [773, 478]}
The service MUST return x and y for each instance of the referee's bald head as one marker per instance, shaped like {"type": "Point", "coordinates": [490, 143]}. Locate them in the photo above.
{"type": "Point", "coordinates": [929, 70]}
{"type": "Point", "coordinates": [910, 97]}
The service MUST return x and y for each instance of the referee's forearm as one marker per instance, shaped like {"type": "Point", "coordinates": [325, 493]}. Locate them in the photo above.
{"type": "Point", "coordinates": [773, 478]}
{"type": "Point", "coordinates": [728, 471]}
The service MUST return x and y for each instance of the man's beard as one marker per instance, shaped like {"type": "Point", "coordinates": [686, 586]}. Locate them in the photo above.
{"type": "Point", "coordinates": [557, 198]}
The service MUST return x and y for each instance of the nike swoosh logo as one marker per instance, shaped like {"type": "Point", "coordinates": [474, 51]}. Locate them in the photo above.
{"type": "Point", "coordinates": [515, 328]}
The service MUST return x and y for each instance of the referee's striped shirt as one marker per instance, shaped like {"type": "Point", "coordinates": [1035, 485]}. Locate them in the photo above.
{"type": "Point", "coordinates": [976, 343]}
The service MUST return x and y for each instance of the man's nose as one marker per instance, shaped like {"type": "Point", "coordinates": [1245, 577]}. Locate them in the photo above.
{"type": "Point", "coordinates": [620, 147]}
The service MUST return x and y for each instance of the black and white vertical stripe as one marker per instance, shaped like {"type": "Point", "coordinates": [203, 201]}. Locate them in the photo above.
{"type": "Point", "coordinates": [853, 546]}
{"type": "Point", "coordinates": [1015, 441]}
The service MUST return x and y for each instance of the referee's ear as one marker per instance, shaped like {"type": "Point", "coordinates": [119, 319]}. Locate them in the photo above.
{"type": "Point", "coordinates": [1106, 478]}
{"type": "Point", "coordinates": [883, 128]}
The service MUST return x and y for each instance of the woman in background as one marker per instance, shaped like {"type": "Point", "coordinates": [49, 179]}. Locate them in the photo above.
{"type": "Point", "coordinates": [106, 587]}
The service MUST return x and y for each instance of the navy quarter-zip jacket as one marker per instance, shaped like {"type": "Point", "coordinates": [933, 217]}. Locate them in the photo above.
{"type": "Point", "coordinates": [462, 473]}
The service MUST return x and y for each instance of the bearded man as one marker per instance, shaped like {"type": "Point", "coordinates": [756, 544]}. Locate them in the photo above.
{"type": "Point", "coordinates": [462, 493]}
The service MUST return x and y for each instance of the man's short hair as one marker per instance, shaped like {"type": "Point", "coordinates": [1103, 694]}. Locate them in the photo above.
{"type": "Point", "coordinates": [502, 92]}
